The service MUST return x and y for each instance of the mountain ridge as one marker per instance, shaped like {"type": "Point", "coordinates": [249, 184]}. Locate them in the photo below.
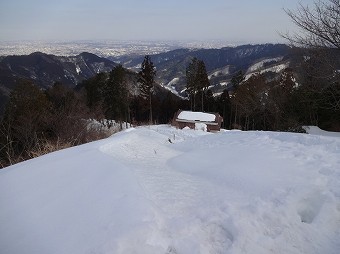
{"type": "Point", "coordinates": [46, 69]}
{"type": "Point", "coordinates": [172, 65]}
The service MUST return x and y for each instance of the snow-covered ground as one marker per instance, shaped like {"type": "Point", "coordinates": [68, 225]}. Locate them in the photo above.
{"type": "Point", "coordinates": [171, 86]}
{"type": "Point", "coordinates": [275, 68]}
{"type": "Point", "coordinates": [106, 126]}
{"type": "Point", "coordinates": [222, 71]}
{"type": "Point", "coordinates": [314, 130]}
{"type": "Point", "coordinates": [259, 65]}
{"type": "Point", "coordinates": [137, 192]}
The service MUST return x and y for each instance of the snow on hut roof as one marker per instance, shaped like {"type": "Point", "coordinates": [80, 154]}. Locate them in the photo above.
{"type": "Point", "coordinates": [196, 116]}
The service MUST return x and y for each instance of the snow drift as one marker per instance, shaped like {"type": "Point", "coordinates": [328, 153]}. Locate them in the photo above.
{"type": "Point", "coordinates": [136, 192]}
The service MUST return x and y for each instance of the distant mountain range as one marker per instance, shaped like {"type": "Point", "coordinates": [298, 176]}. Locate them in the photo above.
{"type": "Point", "coordinates": [221, 64]}
{"type": "Point", "coordinates": [44, 69]}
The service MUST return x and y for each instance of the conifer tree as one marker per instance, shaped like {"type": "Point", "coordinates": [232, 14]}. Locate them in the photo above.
{"type": "Point", "coordinates": [191, 86]}
{"type": "Point", "coordinates": [202, 81]}
{"type": "Point", "coordinates": [25, 120]}
{"type": "Point", "coordinates": [146, 80]}
{"type": "Point", "coordinates": [197, 81]}
{"type": "Point", "coordinates": [237, 79]}
{"type": "Point", "coordinates": [94, 90]}
{"type": "Point", "coordinates": [116, 95]}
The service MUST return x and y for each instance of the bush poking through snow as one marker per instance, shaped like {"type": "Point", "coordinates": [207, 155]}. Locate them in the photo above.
{"type": "Point", "coordinates": [48, 146]}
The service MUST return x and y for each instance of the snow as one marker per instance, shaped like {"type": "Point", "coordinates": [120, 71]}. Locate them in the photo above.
{"type": "Point", "coordinates": [231, 192]}
{"type": "Point", "coordinates": [257, 66]}
{"type": "Point", "coordinates": [222, 71]}
{"type": "Point", "coordinates": [314, 130]}
{"type": "Point", "coordinates": [173, 82]}
{"type": "Point", "coordinates": [171, 86]}
{"type": "Point", "coordinates": [196, 116]}
{"type": "Point", "coordinates": [106, 126]}
{"type": "Point", "coordinates": [78, 70]}
{"type": "Point", "coordinates": [201, 126]}
{"type": "Point", "coordinates": [224, 83]}
{"type": "Point", "coordinates": [276, 69]}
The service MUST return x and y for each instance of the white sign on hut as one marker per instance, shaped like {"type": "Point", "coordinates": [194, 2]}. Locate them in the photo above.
{"type": "Point", "coordinates": [197, 120]}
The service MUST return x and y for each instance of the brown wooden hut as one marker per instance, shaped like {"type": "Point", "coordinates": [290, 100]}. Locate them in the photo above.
{"type": "Point", "coordinates": [182, 119]}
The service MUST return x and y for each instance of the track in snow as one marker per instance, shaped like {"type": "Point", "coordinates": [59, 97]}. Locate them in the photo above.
{"type": "Point", "coordinates": [172, 194]}
{"type": "Point", "coordinates": [252, 198]}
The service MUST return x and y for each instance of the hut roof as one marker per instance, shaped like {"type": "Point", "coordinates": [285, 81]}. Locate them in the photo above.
{"type": "Point", "coordinates": [196, 116]}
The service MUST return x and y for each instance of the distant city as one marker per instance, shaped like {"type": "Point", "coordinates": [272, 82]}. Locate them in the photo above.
{"type": "Point", "coordinates": [103, 48]}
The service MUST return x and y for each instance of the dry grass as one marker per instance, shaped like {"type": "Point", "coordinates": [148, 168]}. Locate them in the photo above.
{"type": "Point", "coordinates": [44, 146]}
{"type": "Point", "coordinates": [48, 146]}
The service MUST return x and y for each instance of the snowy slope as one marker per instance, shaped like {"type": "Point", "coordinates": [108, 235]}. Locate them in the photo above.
{"type": "Point", "coordinates": [314, 130]}
{"type": "Point", "coordinates": [276, 68]}
{"type": "Point", "coordinates": [135, 192]}
{"type": "Point", "coordinates": [171, 86]}
{"type": "Point", "coordinates": [260, 64]}
{"type": "Point", "coordinates": [222, 71]}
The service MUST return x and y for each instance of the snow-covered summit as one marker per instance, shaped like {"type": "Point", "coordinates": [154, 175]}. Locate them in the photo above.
{"type": "Point", "coordinates": [136, 192]}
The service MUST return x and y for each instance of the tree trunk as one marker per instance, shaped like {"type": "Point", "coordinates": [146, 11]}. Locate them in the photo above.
{"type": "Point", "coordinates": [150, 105]}
{"type": "Point", "coordinates": [127, 117]}
{"type": "Point", "coordinates": [194, 109]}
{"type": "Point", "coordinates": [224, 119]}
{"type": "Point", "coordinates": [191, 103]}
{"type": "Point", "coordinates": [235, 115]}
{"type": "Point", "coordinates": [231, 117]}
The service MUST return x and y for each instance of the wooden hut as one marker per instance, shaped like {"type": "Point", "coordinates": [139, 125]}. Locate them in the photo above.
{"type": "Point", "coordinates": [197, 120]}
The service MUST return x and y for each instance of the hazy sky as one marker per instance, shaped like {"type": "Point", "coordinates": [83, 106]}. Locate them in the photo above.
{"type": "Point", "coordinates": [229, 20]}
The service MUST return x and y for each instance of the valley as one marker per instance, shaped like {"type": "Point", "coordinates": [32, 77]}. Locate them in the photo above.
{"type": "Point", "coordinates": [66, 64]}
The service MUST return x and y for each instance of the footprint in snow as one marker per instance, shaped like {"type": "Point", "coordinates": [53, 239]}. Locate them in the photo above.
{"type": "Point", "coordinates": [310, 206]}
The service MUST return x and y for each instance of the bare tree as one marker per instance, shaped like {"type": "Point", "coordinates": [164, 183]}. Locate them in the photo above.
{"type": "Point", "coordinates": [319, 25]}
